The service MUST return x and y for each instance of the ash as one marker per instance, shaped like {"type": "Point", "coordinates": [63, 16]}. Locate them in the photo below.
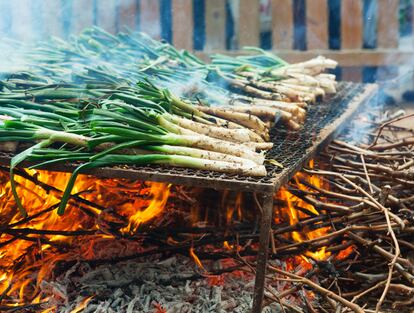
{"type": "Point", "coordinates": [173, 285]}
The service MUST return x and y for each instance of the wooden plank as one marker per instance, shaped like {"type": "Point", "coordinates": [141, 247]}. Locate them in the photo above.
{"type": "Point", "coordinates": [128, 11]}
{"type": "Point", "coordinates": [52, 17]}
{"type": "Point", "coordinates": [317, 24]}
{"type": "Point", "coordinates": [106, 16]}
{"type": "Point", "coordinates": [215, 13]}
{"type": "Point", "coordinates": [388, 24]}
{"type": "Point", "coordinates": [249, 23]}
{"type": "Point", "coordinates": [182, 24]}
{"type": "Point", "coordinates": [82, 15]}
{"type": "Point", "coordinates": [150, 21]}
{"type": "Point", "coordinates": [351, 24]}
{"type": "Point", "coordinates": [344, 58]}
{"type": "Point", "coordinates": [352, 35]}
{"type": "Point", "coordinates": [282, 24]}
{"type": "Point", "coordinates": [21, 20]}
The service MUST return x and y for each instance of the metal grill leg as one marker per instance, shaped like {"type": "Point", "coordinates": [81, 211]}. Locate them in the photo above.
{"type": "Point", "coordinates": [265, 226]}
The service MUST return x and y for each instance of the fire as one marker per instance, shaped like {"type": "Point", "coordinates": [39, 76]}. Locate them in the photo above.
{"type": "Point", "coordinates": [233, 206]}
{"type": "Point", "coordinates": [159, 308]}
{"type": "Point", "coordinates": [294, 215]}
{"type": "Point", "coordinates": [343, 254]}
{"type": "Point", "coordinates": [31, 247]}
{"type": "Point", "coordinates": [160, 193]}
{"type": "Point", "coordinates": [196, 259]}
{"type": "Point", "coordinates": [227, 245]}
{"type": "Point", "coordinates": [82, 305]}
{"type": "Point", "coordinates": [98, 217]}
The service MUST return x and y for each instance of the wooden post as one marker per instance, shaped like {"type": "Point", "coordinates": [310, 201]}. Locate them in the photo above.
{"type": "Point", "coordinates": [388, 24]}
{"type": "Point", "coordinates": [282, 24]}
{"type": "Point", "coordinates": [150, 18]}
{"type": "Point", "coordinates": [182, 24]}
{"type": "Point", "coordinates": [128, 11]}
{"type": "Point", "coordinates": [351, 34]}
{"type": "Point", "coordinates": [351, 24]}
{"type": "Point", "coordinates": [82, 15]}
{"type": "Point", "coordinates": [261, 264]}
{"type": "Point", "coordinates": [215, 12]}
{"type": "Point", "coordinates": [106, 17]}
{"type": "Point", "coordinates": [249, 23]}
{"type": "Point", "coordinates": [317, 24]}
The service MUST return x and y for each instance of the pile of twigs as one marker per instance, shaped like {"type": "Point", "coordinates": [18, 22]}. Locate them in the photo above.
{"type": "Point", "coordinates": [369, 207]}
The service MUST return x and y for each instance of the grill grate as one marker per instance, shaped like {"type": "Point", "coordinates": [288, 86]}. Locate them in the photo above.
{"type": "Point", "coordinates": [291, 148]}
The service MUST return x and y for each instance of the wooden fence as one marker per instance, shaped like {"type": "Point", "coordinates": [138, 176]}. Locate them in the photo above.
{"type": "Point", "coordinates": [50, 17]}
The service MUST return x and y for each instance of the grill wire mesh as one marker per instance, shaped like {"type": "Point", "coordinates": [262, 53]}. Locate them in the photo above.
{"type": "Point", "coordinates": [290, 146]}
{"type": "Point", "coordinates": [290, 149]}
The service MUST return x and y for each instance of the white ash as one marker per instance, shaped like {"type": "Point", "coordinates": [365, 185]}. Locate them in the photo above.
{"type": "Point", "coordinates": [152, 286]}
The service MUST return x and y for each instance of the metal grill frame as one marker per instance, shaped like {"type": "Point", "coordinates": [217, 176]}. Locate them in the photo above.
{"type": "Point", "coordinates": [350, 98]}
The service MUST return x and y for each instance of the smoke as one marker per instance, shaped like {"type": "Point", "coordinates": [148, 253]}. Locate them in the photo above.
{"type": "Point", "coordinates": [12, 57]}
{"type": "Point", "coordinates": [194, 84]}
{"type": "Point", "coordinates": [25, 22]}
{"type": "Point", "coordinates": [196, 87]}
{"type": "Point", "coordinates": [32, 20]}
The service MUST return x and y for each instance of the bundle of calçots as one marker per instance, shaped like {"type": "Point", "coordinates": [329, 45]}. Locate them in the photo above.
{"type": "Point", "coordinates": [261, 84]}
{"type": "Point", "coordinates": [105, 100]}
{"type": "Point", "coordinates": [273, 87]}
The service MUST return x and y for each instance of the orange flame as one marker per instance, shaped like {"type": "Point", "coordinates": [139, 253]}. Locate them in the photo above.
{"type": "Point", "coordinates": [159, 308]}
{"type": "Point", "coordinates": [295, 215]}
{"type": "Point", "coordinates": [232, 203]}
{"type": "Point", "coordinates": [26, 258]}
{"type": "Point", "coordinates": [196, 259]}
{"type": "Point", "coordinates": [343, 254]}
{"type": "Point", "coordinates": [82, 305]}
{"type": "Point", "coordinates": [160, 193]}
{"type": "Point", "coordinates": [227, 245]}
